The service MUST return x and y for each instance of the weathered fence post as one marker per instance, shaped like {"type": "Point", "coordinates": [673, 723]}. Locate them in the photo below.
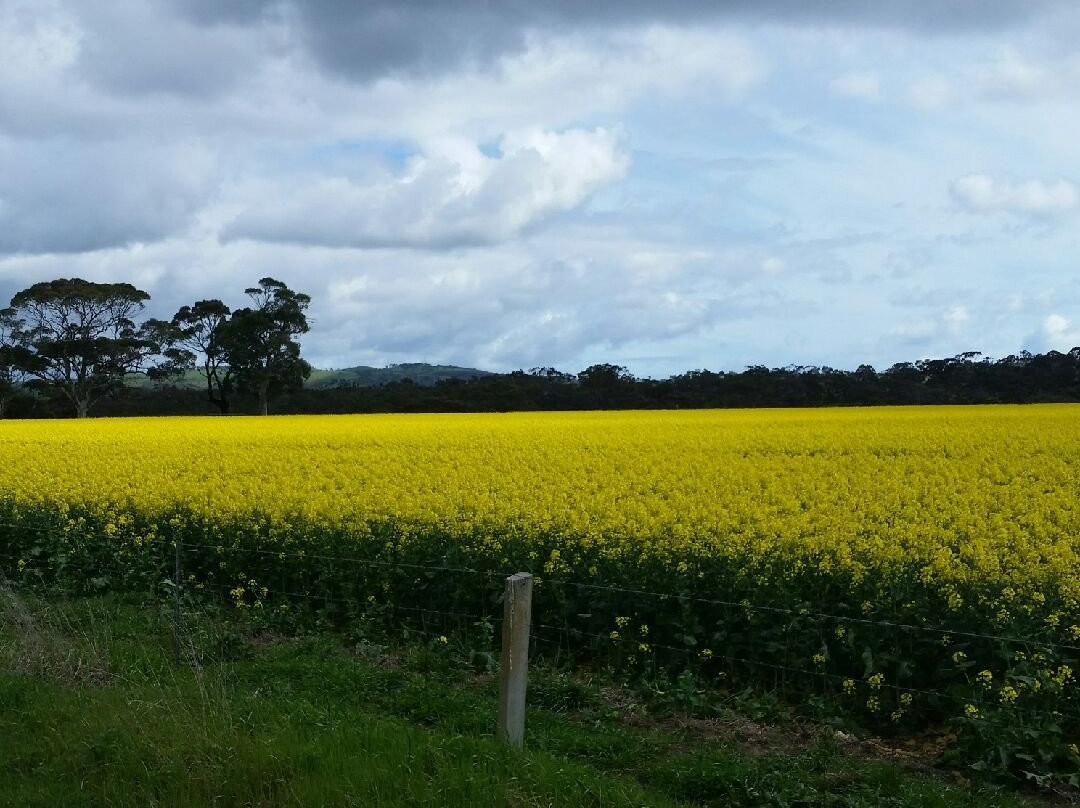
{"type": "Point", "coordinates": [176, 603]}
{"type": "Point", "coordinates": [514, 669]}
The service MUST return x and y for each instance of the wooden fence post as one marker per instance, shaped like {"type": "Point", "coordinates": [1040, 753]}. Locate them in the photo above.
{"type": "Point", "coordinates": [514, 668]}
{"type": "Point", "coordinates": [177, 616]}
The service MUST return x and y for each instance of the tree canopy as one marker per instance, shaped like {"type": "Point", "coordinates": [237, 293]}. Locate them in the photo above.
{"type": "Point", "coordinates": [13, 357]}
{"type": "Point", "coordinates": [200, 342]}
{"type": "Point", "coordinates": [80, 338]}
{"type": "Point", "coordinates": [81, 341]}
{"type": "Point", "coordinates": [260, 343]}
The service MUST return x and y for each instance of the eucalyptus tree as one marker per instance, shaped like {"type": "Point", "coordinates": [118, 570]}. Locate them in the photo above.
{"type": "Point", "coordinates": [13, 356]}
{"type": "Point", "coordinates": [80, 338]}
{"type": "Point", "coordinates": [200, 340]}
{"type": "Point", "coordinates": [260, 341]}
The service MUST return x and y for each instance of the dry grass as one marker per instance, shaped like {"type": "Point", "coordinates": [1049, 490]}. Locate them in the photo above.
{"type": "Point", "coordinates": [41, 644]}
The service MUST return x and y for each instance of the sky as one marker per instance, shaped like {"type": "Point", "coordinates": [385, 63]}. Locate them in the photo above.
{"type": "Point", "coordinates": [661, 184]}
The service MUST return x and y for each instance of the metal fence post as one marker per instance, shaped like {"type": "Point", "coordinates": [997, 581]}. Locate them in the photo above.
{"type": "Point", "coordinates": [176, 603]}
{"type": "Point", "coordinates": [514, 668]}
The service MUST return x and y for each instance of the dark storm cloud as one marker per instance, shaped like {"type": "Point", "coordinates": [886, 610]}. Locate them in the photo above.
{"type": "Point", "coordinates": [63, 196]}
{"type": "Point", "coordinates": [235, 11]}
{"type": "Point", "coordinates": [366, 40]}
{"type": "Point", "coordinates": [143, 46]}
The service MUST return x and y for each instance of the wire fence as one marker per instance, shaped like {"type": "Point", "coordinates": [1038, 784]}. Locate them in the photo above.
{"type": "Point", "coordinates": [735, 642]}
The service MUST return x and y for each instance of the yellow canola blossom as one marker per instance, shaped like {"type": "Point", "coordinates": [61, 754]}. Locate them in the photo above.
{"type": "Point", "coordinates": [962, 493]}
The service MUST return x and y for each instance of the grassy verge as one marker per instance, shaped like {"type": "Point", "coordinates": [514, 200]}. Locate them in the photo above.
{"type": "Point", "coordinates": [93, 712]}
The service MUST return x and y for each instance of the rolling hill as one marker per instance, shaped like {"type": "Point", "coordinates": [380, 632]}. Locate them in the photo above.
{"type": "Point", "coordinates": [361, 375]}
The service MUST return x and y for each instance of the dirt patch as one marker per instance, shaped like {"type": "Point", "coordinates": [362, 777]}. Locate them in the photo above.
{"type": "Point", "coordinates": [751, 737]}
{"type": "Point", "coordinates": [262, 640]}
{"type": "Point", "coordinates": [37, 645]}
{"type": "Point", "coordinates": [917, 753]}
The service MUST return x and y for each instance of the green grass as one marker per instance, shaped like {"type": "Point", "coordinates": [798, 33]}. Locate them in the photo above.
{"type": "Point", "coordinates": [93, 712]}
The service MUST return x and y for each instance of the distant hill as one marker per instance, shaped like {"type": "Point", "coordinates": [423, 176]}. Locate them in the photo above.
{"type": "Point", "coordinates": [419, 372]}
{"type": "Point", "coordinates": [363, 376]}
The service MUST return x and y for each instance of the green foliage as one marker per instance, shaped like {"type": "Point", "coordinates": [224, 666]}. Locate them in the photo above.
{"type": "Point", "coordinates": [271, 720]}
{"type": "Point", "coordinates": [251, 350]}
{"type": "Point", "coordinates": [79, 338]}
{"type": "Point", "coordinates": [259, 343]}
{"type": "Point", "coordinates": [14, 356]}
{"type": "Point", "coordinates": [893, 660]}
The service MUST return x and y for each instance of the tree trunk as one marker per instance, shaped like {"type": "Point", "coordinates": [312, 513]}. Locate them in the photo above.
{"type": "Point", "coordinates": [81, 408]}
{"type": "Point", "coordinates": [264, 396]}
{"type": "Point", "coordinates": [3, 406]}
{"type": "Point", "coordinates": [221, 402]}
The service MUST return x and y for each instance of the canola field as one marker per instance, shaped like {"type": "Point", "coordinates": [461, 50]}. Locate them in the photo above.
{"type": "Point", "coordinates": [959, 496]}
{"type": "Point", "coordinates": [959, 522]}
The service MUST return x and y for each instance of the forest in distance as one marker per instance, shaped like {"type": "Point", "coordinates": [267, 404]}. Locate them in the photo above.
{"type": "Point", "coordinates": [965, 379]}
{"type": "Point", "coordinates": [70, 345]}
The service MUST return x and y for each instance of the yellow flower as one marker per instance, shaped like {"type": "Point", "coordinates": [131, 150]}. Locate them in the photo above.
{"type": "Point", "coordinates": [971, 711]}
{"type": "Point", "coordinates": [965, 501]}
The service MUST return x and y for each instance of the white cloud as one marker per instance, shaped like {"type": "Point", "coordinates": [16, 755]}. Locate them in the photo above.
{"type": "Point", "coordinates": [1013, 77]}
{"type": "Point", "coordinates": [981, 193]}
{"type": "Point", "coordinates": [916, 331]}
{"type": "Point", "coordinates": [934, 331]}
{"type": "Point", "coordinates": [1059, 333]}
{"type": "Point", "coordinates": [133, 137]}
{"type": "Point", "coordinates": [37, 39]}
{"type": "Point", "coordinates": [957, 317]}
{"type": "Point", "coordinates": [451, 195]}
{"type": "Point", "coordinates": [64, 195]}
{"type": "Point", "coordinates": [560, 79]}
{"type": "Point", "coordinates": [931, 92]}
{"type": "Point", "coordinates": [861, 86]}
{"type": "Point", "coordinates": [1010, 76]}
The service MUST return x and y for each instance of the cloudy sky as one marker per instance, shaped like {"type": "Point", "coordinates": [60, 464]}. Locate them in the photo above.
{"type": "Point", "coordinates": [663, 184]}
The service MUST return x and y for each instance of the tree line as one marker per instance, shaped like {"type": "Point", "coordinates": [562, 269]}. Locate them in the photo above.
{"type": "Point", "coordinates": [78, 342]}
{"type": "Point", "coordinates": [69, 345]}
{"type": "Point", "coordinates": [964, 379]}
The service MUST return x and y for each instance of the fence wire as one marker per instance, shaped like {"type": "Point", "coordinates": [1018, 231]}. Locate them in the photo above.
{"type": "Point", "coordinates": [554, 635]}
{"type": "Point", "coordinates": [766, 609]}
